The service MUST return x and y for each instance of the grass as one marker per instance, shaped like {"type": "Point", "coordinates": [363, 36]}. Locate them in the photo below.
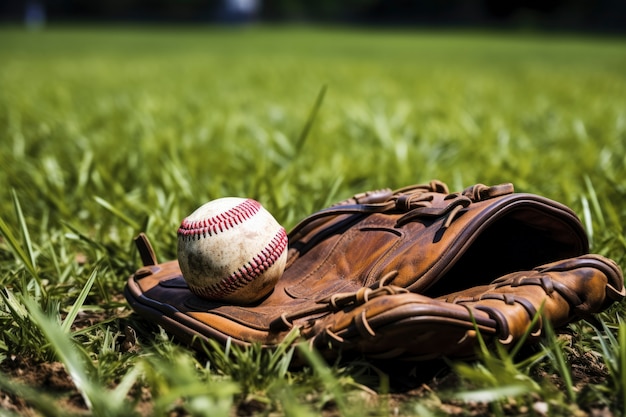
{"type": "Point", "coordinates": [109, 131]}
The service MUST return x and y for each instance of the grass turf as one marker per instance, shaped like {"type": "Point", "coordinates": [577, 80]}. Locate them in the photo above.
{"type": "Point", "coordinates": [108, 131]}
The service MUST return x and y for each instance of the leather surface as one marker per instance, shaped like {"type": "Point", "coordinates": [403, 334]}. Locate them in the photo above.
{"type": "Point", "coordinates": [374, 270]}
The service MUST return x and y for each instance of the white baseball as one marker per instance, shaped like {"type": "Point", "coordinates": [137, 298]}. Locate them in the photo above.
{"type": "Point", "coordinates": [231, 249]}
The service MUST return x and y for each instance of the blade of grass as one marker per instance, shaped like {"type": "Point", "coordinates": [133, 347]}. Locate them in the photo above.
{"type": "Point", "coordinates": [78, 235]}
{"type": "Point", "coordinates": [281, 357]}
{"type": "Point", "coordinates": [24, 229]}
{"type": "Point", "coordinates": [493, 394]}
{"type": "Point", "coordinates": [17, 249]}
{"type": "Point", "coordinates": [622, 361]}
{"type": "Point", "coordinates": [528, 331]}
{"type": "Point", "coordinates": [84, 169]}
{"type": "Point", "coordinates": [309, 122]}
{"type": "Point", "coordinates": [324, 372]}
{"type": "Point", "coordinates": [560, 362]}
{"type": "Point", "coordinates": [119, 393]}
{"type": "Point", "coordinates": [117, 213]}
{"type": "Point", "coordinates": [330, 196]}
{"type": "Point", "coordinates": [65, 351]}
{"type": "Point", "coordinates": [75, 309]}
{"type": "Point", "coordinates": [588, 219]}
{"type": "Point", "coordinates": [595, 203]}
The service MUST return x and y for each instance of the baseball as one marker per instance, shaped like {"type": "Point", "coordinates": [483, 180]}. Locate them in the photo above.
{"type": "Point", "coordinates": [231, 249]}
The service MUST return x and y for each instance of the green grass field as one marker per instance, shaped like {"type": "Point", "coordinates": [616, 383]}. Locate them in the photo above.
{"type": "Point", "coordinates": [109, 131]}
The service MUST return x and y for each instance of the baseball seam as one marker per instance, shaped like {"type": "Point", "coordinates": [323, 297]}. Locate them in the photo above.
{"type": "Point", "coordinates": [247, 272]}
{"type": "Point", "coordinates": [195, 229]}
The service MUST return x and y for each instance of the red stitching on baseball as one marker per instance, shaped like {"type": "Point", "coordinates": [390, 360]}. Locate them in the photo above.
{"type": "Point", "coordinates": [247, 272]}
{"type": "Point", "coordinates": [194, 229]}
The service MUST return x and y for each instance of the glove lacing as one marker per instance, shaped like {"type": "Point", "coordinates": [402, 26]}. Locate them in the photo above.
{"type": "Point", "coordinates": [415, 201]}
{"type": "Point", "coordinates": [340, 301]}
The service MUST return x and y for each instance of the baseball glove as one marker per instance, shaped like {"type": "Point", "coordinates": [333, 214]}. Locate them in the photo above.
{"type": "Point", "coordinates": [410, 274]}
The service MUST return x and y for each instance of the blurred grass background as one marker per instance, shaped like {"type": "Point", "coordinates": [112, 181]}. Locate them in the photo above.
{"type": "Point", "coordinates": [108, 131]}
{"type": "Point", "coordinates": [122, 113]}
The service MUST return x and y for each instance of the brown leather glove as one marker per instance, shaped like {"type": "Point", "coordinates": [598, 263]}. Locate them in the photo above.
{"type": "Point", "coordinates": [371, 274]}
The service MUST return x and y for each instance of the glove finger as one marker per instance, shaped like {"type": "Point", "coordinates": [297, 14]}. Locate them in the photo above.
{"type": "Point", "coordinates": [406, 326]}
{"type": "Point", "coordinates": [562, 292]}
{"type": "Point", "coordinates": [413, 326]}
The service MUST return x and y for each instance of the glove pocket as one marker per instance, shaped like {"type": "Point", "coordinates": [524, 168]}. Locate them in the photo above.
{"type": "Point", "coordinates": [357, 258]}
